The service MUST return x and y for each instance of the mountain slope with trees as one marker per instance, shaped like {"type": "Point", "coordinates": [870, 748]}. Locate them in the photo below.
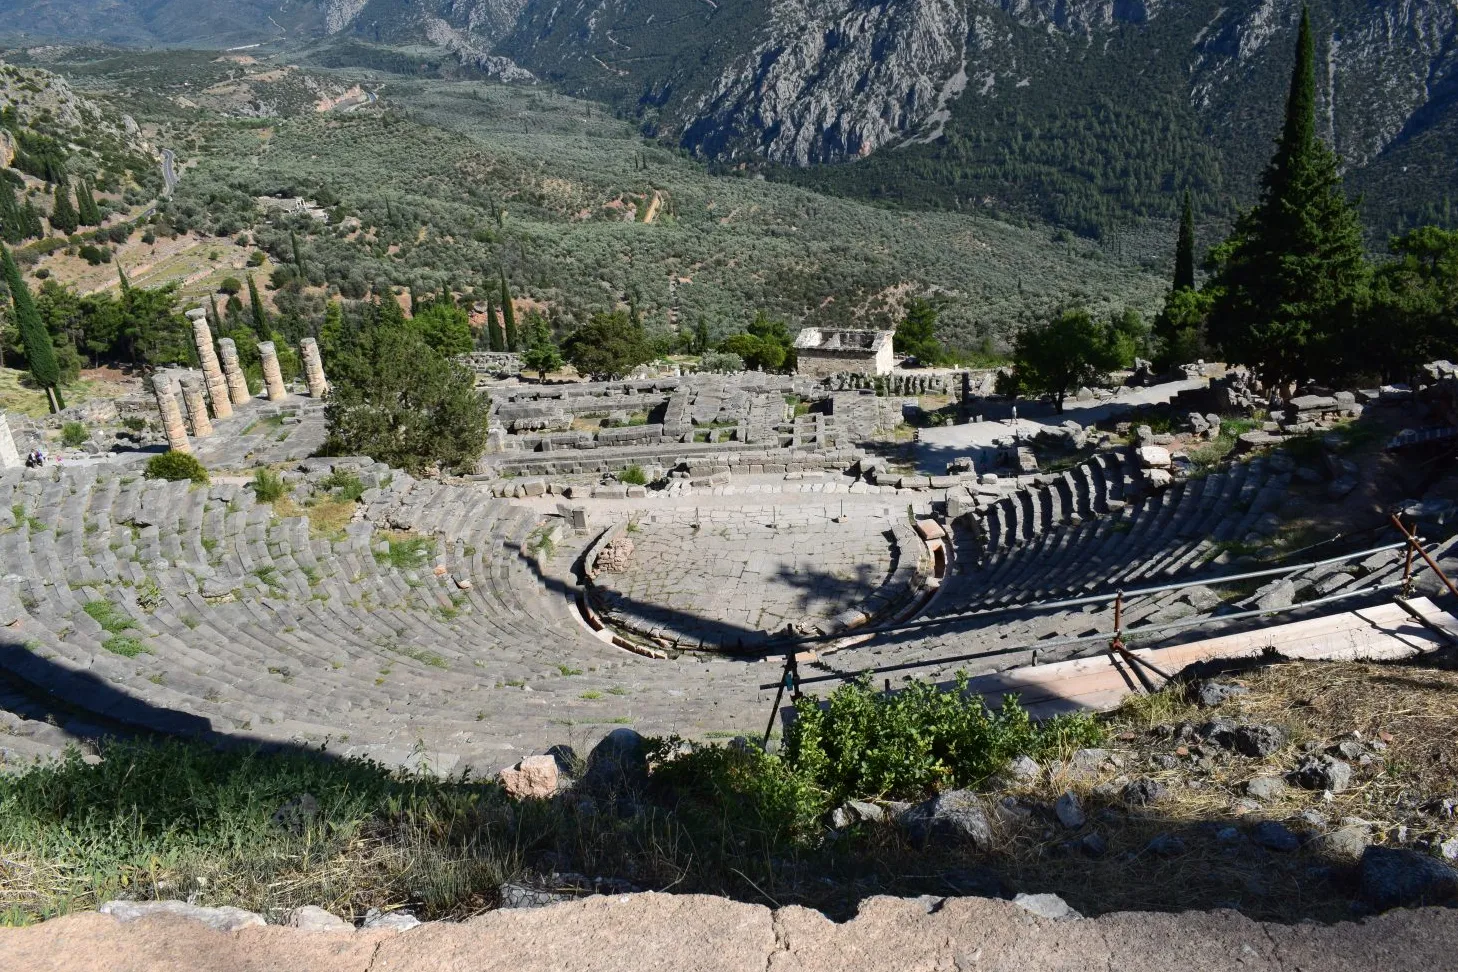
{"type": "Point", "coordinates": [1080, 112]}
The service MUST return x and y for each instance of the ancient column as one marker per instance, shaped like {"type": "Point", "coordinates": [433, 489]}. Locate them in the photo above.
{"type": "Point", "coordinates": [313, 368]}
{"type": "Point", "coordinates": [171, 414]}
{"type": "Point", "coordinates": [272, 377]}
{"type": "Point", "coordinates": [9, 456]}
{"type": "Point", "coordinates": [237, 384]}
{"type": "Point", "coordinates": [202, 336]}
{"type": "Point", "coordinates": [197, 407]}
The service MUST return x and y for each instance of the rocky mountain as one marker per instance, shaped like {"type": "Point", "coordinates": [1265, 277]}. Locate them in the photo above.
{"type": "Point", "coordinates": [1074, 110]}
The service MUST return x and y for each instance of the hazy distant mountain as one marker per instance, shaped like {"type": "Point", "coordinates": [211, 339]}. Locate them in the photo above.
{"type": "Point", "coordinates": [1076, 110]}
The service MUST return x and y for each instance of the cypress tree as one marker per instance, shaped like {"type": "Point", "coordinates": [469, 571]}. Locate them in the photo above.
{"type": "Point", "coordinates": [508, 316]}
{"type": "Point", "coordinates": [63, 216]}
{"type": "Point", "coordinates": [260, 317]}
{"type": "Point", "coordinates": [32, 221]}
{"type": "Point", "coordinates": [12, 219]}
{"type": "Point", "coordinates": [1184, 274]}
{"type": "Point", "coordinates": [298, 259]}
{"type": "Point", "coordinates": [217, 322]}
{"type": "Point", "coordinates": [126, 285]}
{"type": "Point", "coordinates": [1296, 268]}
{"type": "Point", "coordinates": [33, 334]}
{"type": "Point", "coordinates": [493, 328]}
{"type": "Point", "coordinates": [88, 212]}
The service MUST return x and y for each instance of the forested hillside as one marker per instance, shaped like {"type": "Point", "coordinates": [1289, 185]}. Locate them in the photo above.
{"type": "Point", "coordinates": [1085, 113]}
{"type": "Point", "coordinates": [434, 185]}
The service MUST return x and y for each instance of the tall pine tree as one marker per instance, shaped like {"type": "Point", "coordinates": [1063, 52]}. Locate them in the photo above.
{"type": "Point", "coordinates": [1296, 270]}
{"type": "Point", "coordinates": [493, 329]}
{"type": "Point", "coordinates": [1184, 273]}
{"type": "Point", "coordinates": [88, 212]}
{"type": "Point", "coordinates": [33, 334]}
{"type": "Point", "coordinates": [260, 317]}
{"type": "Point", "coordinates": [508, 316]}
{"type": "Point", "coordinates": [63, 214]}
{"type": "Point", "coordinates": [298, 258]}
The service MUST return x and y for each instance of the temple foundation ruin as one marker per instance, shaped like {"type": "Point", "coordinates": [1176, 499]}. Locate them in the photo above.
{"type": "Point", "coordinates": [272, 376]}
{"type": "Point", "coordinates": [197, 407]}
{"type": "Point", "coordinates": [202, 336]}
{"type": "Point", "coordinates": [233, 372]}
{"type": "Point", "coordinates": [172, 424]}
{"type": "Point", "coordinates": [313, 368]}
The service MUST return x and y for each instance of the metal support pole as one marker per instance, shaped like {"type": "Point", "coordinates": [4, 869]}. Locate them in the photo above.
{"type": "Point", "coordinates": [1407, 573]}
{"type": "Point", "coordinates": [1413, 544]}
{"type": "Point", "coordinates": [779, 694]}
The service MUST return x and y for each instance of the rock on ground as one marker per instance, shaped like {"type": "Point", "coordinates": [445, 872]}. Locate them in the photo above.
{"type": "Point", "coordinates": [220, 919]}
{"type": "Point", "coordinates": [535, 777]}
{"type": "Point", "coordinates": [955, 816]}
{"type": "Point", "coordinates": [1391, 877]}
{"type": "Point", "coordinates": [696, 933]}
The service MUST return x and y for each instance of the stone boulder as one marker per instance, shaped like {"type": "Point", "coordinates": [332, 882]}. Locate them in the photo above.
{"type": "Point", "coordinates": [1048, 906]}
{"type": "Point", "coordinates": [1258, 740]}
{"type": "Point", "coordinates": [224, 919]}
{"type": "Point", "coordinates": [1154, 457]}
{"type": "Point", "coordinates": [1393, 878]}
{"type": "Point", "coordinates": [535, 778]}
{"type": "Point", "coordinates": [953, 817]}
{"type": "Point", "coordinates": [1322, 773]}
{"type": "Point", "coordinates": [1069, 811]}
{"type": "Point", "coordinates": [619, 761]}
{"type": "Point", "coordinates": [615, 556]}
{"type": "Point", "coordinates": [312, 918]}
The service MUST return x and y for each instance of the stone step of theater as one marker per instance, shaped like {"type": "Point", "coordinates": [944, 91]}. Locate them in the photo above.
{"type": "Point", "coordinates": [211, 614]}
{"type": "Point", "coordinates": [1098, 529]}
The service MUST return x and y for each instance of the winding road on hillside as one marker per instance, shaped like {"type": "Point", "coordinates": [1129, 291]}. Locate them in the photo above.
{"type": "Point", "coordinates": [169, 171]}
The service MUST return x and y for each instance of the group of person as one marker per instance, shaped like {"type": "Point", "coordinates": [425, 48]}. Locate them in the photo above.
{"type": "Point", "coordinates": [35, 459]}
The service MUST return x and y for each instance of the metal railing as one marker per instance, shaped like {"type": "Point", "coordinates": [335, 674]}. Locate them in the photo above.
{"type": "Point", "coordinates": [791, 681]}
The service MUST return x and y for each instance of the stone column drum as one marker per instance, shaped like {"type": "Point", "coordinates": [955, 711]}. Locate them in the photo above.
{"type": "Point", "coordinates": [237, 384]}
{"type": "Point", "coordinates": [313, 368]}
{"type": "Point", "coordinates": [197, 407]}
{"type": "Point", "coordinates": [272, 377]}
{"type": "Point", "coordinates": [202, 336]}
{"type": "Point", "coordinates": [9, 455]}
{"type": "Point", "coordinates": [171, 414]}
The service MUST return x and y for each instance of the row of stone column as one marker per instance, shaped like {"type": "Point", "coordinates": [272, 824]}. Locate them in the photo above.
{"type": "Point", "coordinates": [225, 383]}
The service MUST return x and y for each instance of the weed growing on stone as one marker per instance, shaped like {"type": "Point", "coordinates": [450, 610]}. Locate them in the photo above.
{"type": "Point", "coordinates": [111, 618]}
{"type": "Point", "coordinates": [126, 646]}
{"type": "Point", "coordinates": [268, 486]}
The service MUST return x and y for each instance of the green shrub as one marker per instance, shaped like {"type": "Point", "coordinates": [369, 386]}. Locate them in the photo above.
{"type": "Point", "coordinates": [268, 485]}
{"type": "Point", "coordinates": [633, 476]}
{"type": "Point", "coordinates": [347, 483]}
{"type": "Point", "coordinates": [773, 802]}
{"type": "Point", "coordinates": [907, 744]}
{"type": "Point", "coordinates": [176, 466]}
{"type": "Point", "coordinates": [73, 434]}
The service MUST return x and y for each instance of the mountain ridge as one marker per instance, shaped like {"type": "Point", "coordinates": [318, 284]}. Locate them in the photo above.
{"type": "Point", "coordinates": [940, 103]}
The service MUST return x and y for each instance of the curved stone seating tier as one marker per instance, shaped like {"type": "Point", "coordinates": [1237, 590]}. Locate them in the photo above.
{"type": "Point", "coordinates": [211, 613]}
{"type": "Point", "coordinates": [1144, 541]}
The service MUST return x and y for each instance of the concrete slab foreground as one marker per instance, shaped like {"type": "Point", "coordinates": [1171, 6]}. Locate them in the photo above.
{"type": "Point", "coordinates": [697, 933]}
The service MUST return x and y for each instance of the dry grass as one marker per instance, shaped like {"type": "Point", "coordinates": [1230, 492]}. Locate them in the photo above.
{"type": "Point", "coordinates": [1412, 711]}
{"type": "Point", "coordinates": [16, 394]}
{"type": "Point", "coordinates": [327, 517]}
